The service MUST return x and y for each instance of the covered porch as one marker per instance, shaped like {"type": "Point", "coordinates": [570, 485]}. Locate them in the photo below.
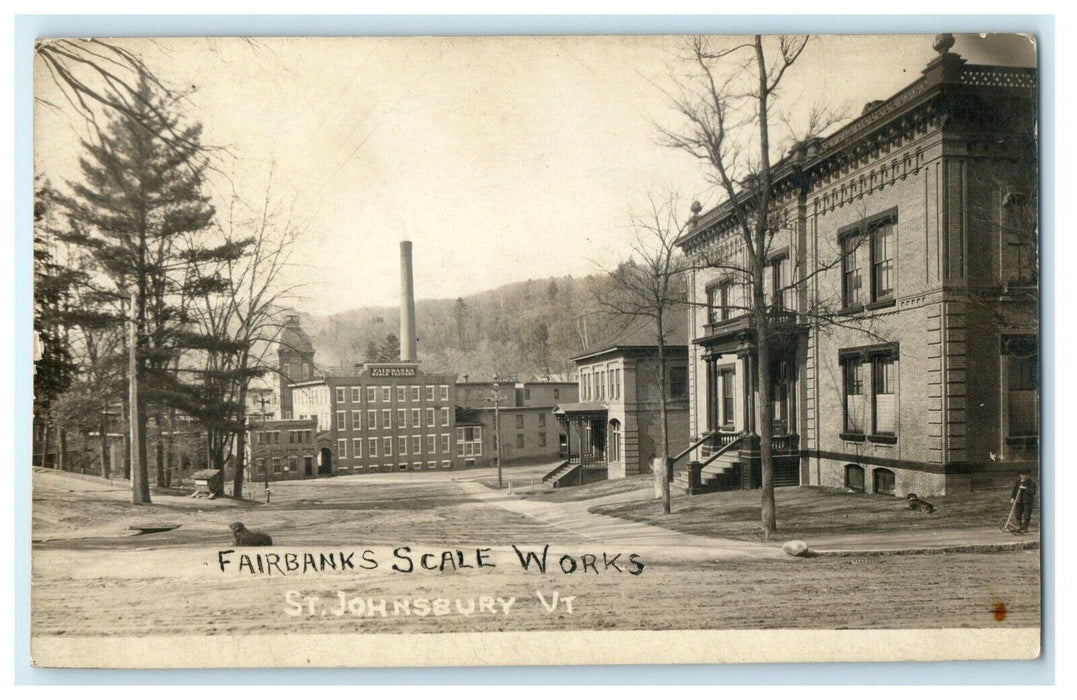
{"type": "Point", "coordinates": [585, 426]}
{"type": "Point", "coordinates": [726, 452]}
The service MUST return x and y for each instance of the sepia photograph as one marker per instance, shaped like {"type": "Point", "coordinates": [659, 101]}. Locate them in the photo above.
{"type": "Point", "coordinates": [412, 351]}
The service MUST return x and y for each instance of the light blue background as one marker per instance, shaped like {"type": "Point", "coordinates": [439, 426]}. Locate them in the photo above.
{"type": "Point", "coordinates": [29, 28]}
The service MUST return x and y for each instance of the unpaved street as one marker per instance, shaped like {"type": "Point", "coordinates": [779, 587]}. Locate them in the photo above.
{"type": "Point", "coordinates": [92, 577]}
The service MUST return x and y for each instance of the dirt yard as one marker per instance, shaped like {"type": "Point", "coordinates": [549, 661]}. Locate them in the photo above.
{"type": "Point", "coordinates": [810, 513]}
{"type": "Point", "coordinates": [92, 577]}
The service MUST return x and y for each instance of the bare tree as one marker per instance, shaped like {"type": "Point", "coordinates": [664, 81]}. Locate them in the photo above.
{"type": "Point", "coordinates": [650, 285]}
{"type": "Point", "coordinates": [729, 110]}
{"type": "Point", "coordinates": [244, 315]}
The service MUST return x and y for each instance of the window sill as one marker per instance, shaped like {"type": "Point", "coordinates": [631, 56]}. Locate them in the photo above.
{"type": "Point", "coordinates": [881, 304]}
{"type": "Point", "coordinates": [852, 437]}
{"type": "Point", "coordinates": [850, 310]}
{"type": "Point", "coordinates": [883, 439]}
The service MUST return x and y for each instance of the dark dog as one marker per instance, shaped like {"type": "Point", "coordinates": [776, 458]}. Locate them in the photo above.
{"type": "Point", "coordinates": [247, 538]}
{"type": "Point", "coordinates": [920, 506]}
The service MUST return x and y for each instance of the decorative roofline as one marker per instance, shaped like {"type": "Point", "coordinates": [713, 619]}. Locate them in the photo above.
{"type": "Point", "coordinates": [946, 71]}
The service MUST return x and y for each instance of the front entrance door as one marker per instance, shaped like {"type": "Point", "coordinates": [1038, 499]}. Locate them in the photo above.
{"type": "Point", "coordinates": [325, 461]}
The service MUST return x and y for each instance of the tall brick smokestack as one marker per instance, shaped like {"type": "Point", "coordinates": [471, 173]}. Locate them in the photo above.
{"type": "Point", "coordinates": [407, 305]}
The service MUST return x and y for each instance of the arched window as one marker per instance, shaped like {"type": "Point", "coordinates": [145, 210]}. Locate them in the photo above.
{"type": "Point", "coordinates": [614, 439]}
{"type": "Point", "coordinates": [854, 477]}
{"type": "Point", "coordinates": [883, 481]}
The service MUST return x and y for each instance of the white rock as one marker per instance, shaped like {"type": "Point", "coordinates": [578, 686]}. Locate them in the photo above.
{"type": "Point", "coordinates": [795, 548]}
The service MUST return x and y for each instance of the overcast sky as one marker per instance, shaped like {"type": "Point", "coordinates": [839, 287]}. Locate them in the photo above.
{"type": "Point", "coordinates": [503, 159]}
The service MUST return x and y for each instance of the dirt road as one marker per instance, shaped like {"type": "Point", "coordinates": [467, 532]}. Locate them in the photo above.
{"type": "Point", "coordinates": [91, 577]}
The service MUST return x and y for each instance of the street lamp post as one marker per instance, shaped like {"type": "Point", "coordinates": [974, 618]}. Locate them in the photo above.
{"type": "Point", "coordinates": [497, 426]}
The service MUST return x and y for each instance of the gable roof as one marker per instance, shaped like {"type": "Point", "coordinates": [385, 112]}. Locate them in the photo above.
{"type": "Point", "coordinates": [639, 332]}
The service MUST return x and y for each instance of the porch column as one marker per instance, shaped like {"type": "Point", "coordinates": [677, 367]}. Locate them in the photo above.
{"type": "Point", "coordinates": [746, 382]}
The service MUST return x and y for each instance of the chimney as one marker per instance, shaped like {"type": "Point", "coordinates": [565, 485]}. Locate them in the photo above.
{"type": "Point", "coordinates": [407, 305]}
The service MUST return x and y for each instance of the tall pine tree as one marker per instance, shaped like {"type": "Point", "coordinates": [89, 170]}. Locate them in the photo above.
{"type": "Point", "coordinates": [140, 212]}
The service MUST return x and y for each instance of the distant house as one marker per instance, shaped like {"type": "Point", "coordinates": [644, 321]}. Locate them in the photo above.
{"type": "Point", "coordinates": [614, 428]}
{"type": "Point", "coordinates": [529, 430]}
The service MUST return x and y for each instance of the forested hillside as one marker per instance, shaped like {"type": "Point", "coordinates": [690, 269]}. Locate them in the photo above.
{"type": "Point", "coordinates": [523, 329]}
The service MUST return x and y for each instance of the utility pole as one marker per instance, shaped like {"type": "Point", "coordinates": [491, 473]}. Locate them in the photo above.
{"type": "Point", "coordinates": [137, 495]}
{"type": "Point", "coordinates": [497, 426]}
{"type": "Point", "coordinates": [265, 467]}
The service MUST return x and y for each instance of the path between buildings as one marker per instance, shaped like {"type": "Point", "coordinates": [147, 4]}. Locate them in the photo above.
{"type": "Point", "coordinates": [610, 531]}
{"type": "Point", "coordinates": [576, 517]}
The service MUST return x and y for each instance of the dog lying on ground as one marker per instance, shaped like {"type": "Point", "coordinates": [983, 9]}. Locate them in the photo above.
{"type": "Point", "coordinates": [249, 538]}
{"type": "Point", "coordinates": [920, 506]}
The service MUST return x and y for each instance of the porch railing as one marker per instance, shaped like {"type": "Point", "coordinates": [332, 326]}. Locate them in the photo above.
{"type": "Point", "coordinates": [588, 460]}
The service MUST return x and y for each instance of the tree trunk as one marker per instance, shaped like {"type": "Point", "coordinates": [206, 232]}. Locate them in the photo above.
{"type": "Point", "coordinates": [61, 448]}
{"type": "Point", "coordinates": [663, 464]}
{"type": "Point", "coordinates": [159, 450]}
{"type": "Point", "coordinates": [104, 444]}
{"type": "Point", "coordinates": [170, 446]}
{"type": "Point", "coordinates": [126, 437]}
{"type": "Point", "coordinates": [143, 494]}
{"type": "Point", "coordinates": [85, 435]}
{"type": "Point", "coordinates": [764, 410]}
{"type": "Point", "coordinates": [44, 442]}
{"type": "Point", "coordinates": [241, 461]}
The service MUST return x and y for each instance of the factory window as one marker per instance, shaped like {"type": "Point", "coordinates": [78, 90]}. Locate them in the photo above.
{"type": "Point", "coordinates": [445, 416]}
{"type": "Point", "coordinates": [542, 420]}
{"type": "Point", "coordinates": [445, 464]}
{"type": "Point", "coordinates": [444, 392]}
{"type": "Point", "coordinates": [403, 466]}
{"type": "Point", "coordinates": [357, 420]}
{"type": "Point", "coordinates": [416, 444]}
{"type": "Point", "coordinates": [869, 387]}
{"type": "Point", "coordinates": [429, 392]}
{"type": "Point", "coordinates": [780, 294]}
{"type": "Point", "coordinates": [614, 440]}
{"type": "Point", "coordinates": [527, 394]}
{"type": "Point", "coordinates": [386, 394]}
{"type": "Point", "coordinates": [401, 418]}
{"type": "Point", "coordinates": [430, 421]}
{"type": "Point", "coordinates": [432, 465]}
{"type": "Point", "coordinates": [357, 448]}
{"type": "Point", "coordinates": [387, 446]}
{"type": "Point", "coordinates": [519, 442]}
{"type": "Point", "coordinates": [445, 443]}
{"type": "Point", "coordinates": [402, 446]}
{"type": "Point", "coordinates": [357, 394]}
{"type": "Point", "coordinates": [342, 449]}
{"type": "Point", "coordinates": [372, 419]}
{"type": "Point", "coordinates": [883, 481]}
{"type": "Point", "coordinates": [727, 378]}
{"type": "Point", "coordinates": [340, 394]}
{"type": "Point", "coordinates": [372, 447]}
{"type": "Point", "coordinates": [1020, 358]}
{"type": "Point", "coordinates": [416, 417]}
{"type": "Point", "coordinates": [415, 393]}
{"type": "Point", "coordinates": [678, 382]}
{"type": "Point", "coordinates": [519, 420]}
{"type": "Point", "coordinates": [854, 477]}
{"type": "Point", "coordinates": [542, 439]}
{"type": "Point", "coordinates": [386, 418]}
{"type": "Point", "coordinates": [371, 394]}
{"type": "Point", "coordinates": [342, 420]}
{"type": "Point", "coordinates": [401, 393]}
{"type": "Point", "coordinates": [276, 465]}
{"type": "Point", "coordinates": [868, 251]}
{"type": "Point", "coordinates": [431, 444]}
